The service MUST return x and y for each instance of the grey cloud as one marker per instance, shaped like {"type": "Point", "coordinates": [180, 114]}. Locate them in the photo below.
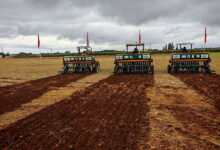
{"type": "Point", "coordinates": [109, 21]}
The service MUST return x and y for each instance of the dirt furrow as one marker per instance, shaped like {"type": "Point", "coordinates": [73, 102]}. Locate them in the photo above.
{"type": "Point", "coordinates": [13, 96]}
{"type": "Point", "coordinates": [206, 84]}
{"type": "Point", "coordinates": [110, 114]}
{"type": "Point", "coordinates": [181, 117]}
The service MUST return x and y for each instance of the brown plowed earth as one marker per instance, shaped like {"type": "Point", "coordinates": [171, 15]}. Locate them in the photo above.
{"type": "Point", "coordinates": [13, 96]}
{"type": "Point", "coordinates": [110, 114]}
{"type": "Point", "coordinates": [206, 84]}
{"type": "Point", "coordinates": [195, 124]}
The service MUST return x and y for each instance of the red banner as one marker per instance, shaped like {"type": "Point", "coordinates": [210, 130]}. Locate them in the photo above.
{"type": "Point", "coordinates": [139, 37]}
{"type": "Point", "coordinates": [38, 41]}
{"type": "Point", "coordinates": [87, 39]}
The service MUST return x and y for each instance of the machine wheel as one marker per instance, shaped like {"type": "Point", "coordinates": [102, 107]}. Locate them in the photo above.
{"type": "Point", "coordinates": [207, 70]}
{"type": "Point", "coordinates": [152, 69]}
{"type": "Point", "coordinates": [197, 70]}
{"type": "Point", "coordinates": [65, 70]}
{"type": "Point", "coordinates": [169, 69]}
{"type": "Point", "coordinates": [117, 69]}
{"type": "Point", "coordinates": [97, 67]}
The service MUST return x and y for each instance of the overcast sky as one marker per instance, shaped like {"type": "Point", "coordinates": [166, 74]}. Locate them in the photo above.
{"type": "Point", "coordinates": [63, 25]}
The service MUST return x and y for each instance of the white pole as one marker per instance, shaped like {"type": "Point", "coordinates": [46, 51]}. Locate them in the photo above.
{"type": "Point", "coordinates": [40, 55]}
{"type": "Point", "coordinates": [205, 40]}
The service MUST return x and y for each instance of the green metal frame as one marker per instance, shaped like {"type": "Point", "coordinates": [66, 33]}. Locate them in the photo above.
{"type": "Point", "coordinates": [73, 59]}
{"type": "Point", "coordinates": [76, 65]}
{"type": "Point", "coordinates": [188, 63]}
{"type": "Point", "coordinates": [191, 56]}
{"type": "Point", "coordinates": [133, 57]}
{"type": "Point", "coordinates": [133, 67]}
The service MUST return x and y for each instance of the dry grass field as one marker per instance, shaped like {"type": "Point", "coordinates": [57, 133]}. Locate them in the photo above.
{"type": "Point", "coordinates": [215, 62]}
{"type": "Point", "coordinates": [21, 69]}
{"type": "Point", "coordinates": [107, 111]}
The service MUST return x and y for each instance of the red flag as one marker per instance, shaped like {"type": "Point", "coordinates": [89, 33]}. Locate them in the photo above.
{"type": "Point", "coordinates": [139, 37]}
{"type": "Point", "coordinates": [38, 41]}
{"type": "Point", "coordinates": [205, 35]}
{"type": "Point", "coordinates": [87, 39]}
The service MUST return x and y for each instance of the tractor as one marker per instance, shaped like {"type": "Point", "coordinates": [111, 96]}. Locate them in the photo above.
{"type": "Point", "coordinates": [135, 62]}
{"type": "Point", "coordinates": [193, 62]}
{"type": "Point", "coordinates": [80, 64]}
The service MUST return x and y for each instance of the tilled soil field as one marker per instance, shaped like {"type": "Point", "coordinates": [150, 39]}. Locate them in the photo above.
{"type": "Point", "coordinates": [13, 96]}
{"type": "Point", "coordinates": [118, 113]}
{"type": "Point", "coordinates": [207, 84]}
{"type": "Point", "coordinates": [111, 114]}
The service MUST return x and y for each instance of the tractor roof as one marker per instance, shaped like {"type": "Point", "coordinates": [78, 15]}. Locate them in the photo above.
{"type": "Point", "coordinates": [136, 45]}
{"type": "Point", "coordinates": [192, 53]}
{"type": "Point", "coordinates": [83, 47]}
{"type": "Point", "coordinates": [79, 56]}
{"type": "Point", "coordinates": [135, 54]}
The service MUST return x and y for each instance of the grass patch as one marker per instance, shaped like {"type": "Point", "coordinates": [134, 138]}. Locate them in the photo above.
{"type": "Point", "coordinates": [214, 54]}
{"type": "Point", "coordinates": [17, 70]}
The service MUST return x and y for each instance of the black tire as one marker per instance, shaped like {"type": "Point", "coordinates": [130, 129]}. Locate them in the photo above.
{"type": "Point", "coordinates": [197, 70]}
{"type": "Point", "coordinates": [207, 70]}
{"type": "Point", "coordinates": [97, 68]}
{"type": "Point", "coordinates": [169, 69]}
{"type": "Point", "coordinates": [152, 69]}
{"type": "Point", "coordinates": [66, 71]}
{"type": "Point", "coordinates": [118, 70]}
{"type": "Point", "coordinates": [115, 71]}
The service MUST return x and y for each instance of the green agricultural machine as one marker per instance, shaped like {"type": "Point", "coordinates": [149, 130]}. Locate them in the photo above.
{"type": "Point", "coordinates": [135, 62]}
{"type": "Point", "coordinates": [80, 64]}
{"type": "Point", "coordinates": [189, 62]}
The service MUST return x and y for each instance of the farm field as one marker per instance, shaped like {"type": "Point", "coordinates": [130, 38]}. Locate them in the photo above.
{"type": "Point", "coordinates": [20, 70]}
{"type": "Point", "coordinates": [136, 111]}
{"type": "Point", "coordinates": [24, 69]}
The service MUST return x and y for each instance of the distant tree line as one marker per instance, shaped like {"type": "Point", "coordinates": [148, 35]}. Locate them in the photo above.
{"type": "Point", "coordinates": [169, 46]}
{"type": "Point", "coordinates": [25, 55]}
{"type": "Point", "coordinates": [106, 52]}
{"type": "Point", "coordinates": [155, 51]}
{"type": "Point", "coordinates": [4, 54]}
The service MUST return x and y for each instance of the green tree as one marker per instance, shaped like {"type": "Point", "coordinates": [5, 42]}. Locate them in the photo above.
{"type": "Point", "coordinates": [170, 46]}
{"type": "Point", "coordinates": [3, 55]}
{"type": "Point", "coordinates": [67, 52]}
{"type": "Point", "coordinates": [165, 47]}
{"type": "Point", "coordinates": [7, 54]}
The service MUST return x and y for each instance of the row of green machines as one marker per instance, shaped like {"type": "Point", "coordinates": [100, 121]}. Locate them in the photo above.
{"type": "Point", "coordinates": [140, 63]}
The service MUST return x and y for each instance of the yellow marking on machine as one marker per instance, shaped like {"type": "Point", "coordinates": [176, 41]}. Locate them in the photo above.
{"type": "Point", "coordinates": [120, 61]}
{"type": "Point", "coordinates": [192, 53]}
{"type": "Point", "coordinates": [133, 54]}
{"type": "Point", "coordinates": [78, 62]}
{"type": "Point", "coordinates": [190, 60]}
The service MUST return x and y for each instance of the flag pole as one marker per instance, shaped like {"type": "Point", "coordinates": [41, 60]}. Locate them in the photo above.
{"type": "Point", "coordinates": [40, 56]}
{"type": "Point", "coordinates": [39, 48]}
{"type": "Point", "coordinates": [139, 42]}
{"type": "Point", "coordinates": [205, 39]}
